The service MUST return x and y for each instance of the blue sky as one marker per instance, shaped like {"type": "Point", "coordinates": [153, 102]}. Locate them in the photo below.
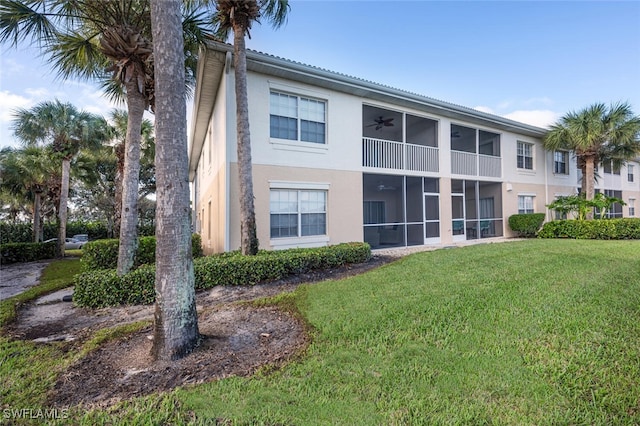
{"type": "Point", "coordinates": [529, 61]}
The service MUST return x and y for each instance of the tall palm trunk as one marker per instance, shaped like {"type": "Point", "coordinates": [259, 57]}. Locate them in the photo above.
{"type": "Point", "coordinates": [136, 104]}
{"type": "Point", "coordinates": [588, 185]}
{"type": "Point", "coordinates": [176, 321]}
{"type": "Point", "coordinates": [62, 211]}
{"type": "Point", "coordinates": [37, 202]}
{"type": "Point", "coordinates": [248, 234]}
{"type": "Point", "coordinates": [117, 215]}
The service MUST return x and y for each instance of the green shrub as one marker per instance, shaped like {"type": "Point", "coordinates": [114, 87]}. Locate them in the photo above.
{"type": "Point", "coordinates": [103, 254]}
{"type": "Point", "coordinates": [526, 225]}
{"type": "Point", "coordinates": [100, 254]}
{"type": "Point", "coordinates": [15, 233]}
{"type": "Point", "coordinates": [26, 252]}
{"type": "Point", "coordinates": [96, 289]}
{"type": "Point", "coordinates": [597, 229]}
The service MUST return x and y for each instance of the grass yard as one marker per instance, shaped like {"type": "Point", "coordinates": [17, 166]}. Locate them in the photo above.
{"type": "Point", "coordinates": [533, 332]}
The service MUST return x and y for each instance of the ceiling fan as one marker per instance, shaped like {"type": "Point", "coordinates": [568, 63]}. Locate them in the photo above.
{"type": "Point", "coordinates": [381, 122]}
{"type": "Point", "coordinates": [383, 187]}
{"type": "Point", "coordinates": [455, 134]}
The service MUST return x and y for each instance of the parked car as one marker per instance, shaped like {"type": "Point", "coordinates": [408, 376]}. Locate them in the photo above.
{"type": "Point", "coordinates": [69, 243]}
{"type": "Point", "coordinates": [82, 237]}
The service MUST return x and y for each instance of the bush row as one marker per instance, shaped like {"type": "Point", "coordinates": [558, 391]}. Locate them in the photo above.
{"type": "Point", "coordinates": [526, 225]}
{"type": "Point", "coordinates": [97, 289]}
{"type": "Point", "coordinates": [26, 252]}
{"type": "Point", "coordinates": [601, 229]}
{"type": "Point", "coordinates": [103, 254]}
{"type": "Point", "coordinates": [23, 232]}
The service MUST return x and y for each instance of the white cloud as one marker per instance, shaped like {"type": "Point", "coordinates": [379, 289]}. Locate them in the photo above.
{"type": "Point", "coordinates": [540, 118]}
{"type": "Point", "coordinates": [9, 102]}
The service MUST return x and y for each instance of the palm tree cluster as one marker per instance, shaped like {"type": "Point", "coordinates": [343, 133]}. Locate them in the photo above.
{"type": "Point", "coordinates": [63, 130]}
{"type": "Point", "coordinates": [110, 42]}
{"type": "Point", "coordinates": [92, 38]}
{"type": "Point", "coordinates": [597, 134]}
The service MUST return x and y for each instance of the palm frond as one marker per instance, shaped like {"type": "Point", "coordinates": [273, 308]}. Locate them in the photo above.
{"type": "Point", "coordinates": [21, 20]}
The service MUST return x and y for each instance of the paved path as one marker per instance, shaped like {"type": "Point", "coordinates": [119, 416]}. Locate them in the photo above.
{"type": "Point", "coordinates": [18, 277]}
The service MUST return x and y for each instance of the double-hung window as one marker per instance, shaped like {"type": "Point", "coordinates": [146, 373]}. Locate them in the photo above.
{"type": "Point", "coordinates": [298, 213]}
{"type": "Point", "coordinates": [525, 155]}
{"type": "Point", "coordinates": [525, 204]}
{"type": "Point", "coordinates": [561, 162]}
{"type": "Point", "coordinates": [297, 118]}
{"type": "Point", "coordinates": [632, 207]}
{"type": "Point", "coordinates": [630, 172]}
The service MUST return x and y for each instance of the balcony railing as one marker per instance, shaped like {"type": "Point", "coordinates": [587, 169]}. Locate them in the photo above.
{"type": "Point", "coordinates": [385, 154]}
{"type": "Point", "coordinates": [471, 164]}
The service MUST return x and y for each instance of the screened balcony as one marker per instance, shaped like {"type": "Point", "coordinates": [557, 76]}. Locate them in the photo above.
{"type": "Point", "coordinates": [397, 141]}
{"type": "Point", "coordinates": [475, 152]}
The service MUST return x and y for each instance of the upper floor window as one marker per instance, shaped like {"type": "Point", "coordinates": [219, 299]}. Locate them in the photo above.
{"type": "Point", "coordinates": [561, 162]}
{"type": "Point", "coordinates": [525, 155]}
{"type": "Point", "coordinates": [630, 172]}
{"type": "Point", "coordinates": [611, 168]}
{"type": "Point", "coordinates": [297, 118]}
{"type": "Point", "coordinates": [525, 204]}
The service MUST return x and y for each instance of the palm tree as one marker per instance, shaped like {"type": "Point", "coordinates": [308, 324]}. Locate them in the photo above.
{"type": "Point", "coordinates": [597, 133]}
{"type": "Point", "coordinates": [119, 120]}
{"type": "Point", "coordinates": [64, 130]}
{"type": "Point", "coordinates": [109, 41]}
{"type": "Point", "coordinates": [238, 16]}
{"type": "Point", "coordinates": [24, 174]}
{"type": "Point", "coordinates": [176, 321]}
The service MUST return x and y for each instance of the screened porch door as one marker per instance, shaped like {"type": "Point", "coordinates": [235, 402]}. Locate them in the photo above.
{"type": "Point", "coordinates": [458, 217]}
{"type": "Point", "coordinates": [431, 218]}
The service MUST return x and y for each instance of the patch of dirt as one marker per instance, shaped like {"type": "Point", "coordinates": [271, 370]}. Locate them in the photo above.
{"type": "Point", "coordinates": [237, 339]}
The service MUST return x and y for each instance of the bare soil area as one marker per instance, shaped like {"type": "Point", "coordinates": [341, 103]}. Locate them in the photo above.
{"type": "Point", "coordinates": [237, 339]}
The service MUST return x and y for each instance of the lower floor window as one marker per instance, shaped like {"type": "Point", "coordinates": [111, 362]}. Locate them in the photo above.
{"type": "Point", "coordinates": [525, 204]}
{"type": "Point", "coordinates": [632, 207]}
{"type": "Point", "coordinates": [298, 213]}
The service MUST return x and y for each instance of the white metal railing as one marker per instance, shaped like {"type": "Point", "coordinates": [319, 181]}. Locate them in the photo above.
{"type": "Point", "coordinates": [471, 164]}
{"type": "Point", "coordinates": [489, 166]}
{"type": "Point", "coordinates": [382, 154]}
{"type": "Point", "coordinates": [422, 158]}
{"type": "Point", "coordinates": [464, 163]}
{"type": "Point", "coordinates": [386, 154]}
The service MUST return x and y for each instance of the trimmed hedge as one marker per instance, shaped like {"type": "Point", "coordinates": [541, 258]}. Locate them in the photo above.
{"type": "Point", "coordinates": [526, 225]}
{"type": "Point", "coordinates": [597, 229]}
{"type": "Point", "coordinates": [103, 254]}
{"type": "Point", "coordinates": [23, 232]}
{"type": "Point", "coordinates": [26, 252]}
{"type": "Point", "coordinates": [97, 289]}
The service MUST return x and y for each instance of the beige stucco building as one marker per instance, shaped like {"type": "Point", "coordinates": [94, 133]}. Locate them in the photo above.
{"type": "Point", "coordinates": [337, 159]}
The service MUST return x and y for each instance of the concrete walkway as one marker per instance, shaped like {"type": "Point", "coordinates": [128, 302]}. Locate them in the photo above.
{"type": "Point", "coordinates": [19, 277]}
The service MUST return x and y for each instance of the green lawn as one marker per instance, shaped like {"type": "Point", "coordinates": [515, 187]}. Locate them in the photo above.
{"type": "Point", "coordinates": [533, 332]}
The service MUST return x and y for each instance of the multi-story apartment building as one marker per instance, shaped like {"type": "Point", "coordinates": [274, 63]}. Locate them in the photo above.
{"type": "Point", "coordinates": [337, 158]}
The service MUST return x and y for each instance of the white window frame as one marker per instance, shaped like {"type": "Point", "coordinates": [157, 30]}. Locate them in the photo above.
{"type": "Point", "coordinates": [523, 206]}
{"type": "Point", "coordinates": [565, 155]}
{"type": "Point", "coordinates": [630, 173]}
{"type": "Point", "coordinates": [299, 117]}
{"type": "Point", "coordinates": [632, 207]}
{"type": "Point", "coordinates": [522, 153]}
{"type": "Point", "coordinates": [300, 241]}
